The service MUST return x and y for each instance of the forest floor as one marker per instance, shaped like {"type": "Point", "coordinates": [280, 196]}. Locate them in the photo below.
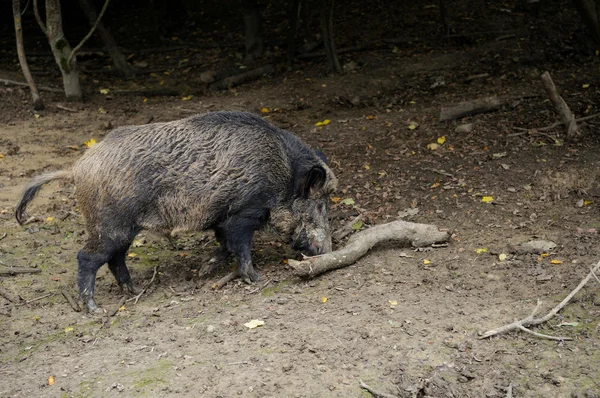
{"type": "Point", "coordinates": [399, 319]}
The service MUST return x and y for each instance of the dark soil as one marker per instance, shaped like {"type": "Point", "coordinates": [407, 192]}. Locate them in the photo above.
{"type": "Point", "coordinates": [184, 339]}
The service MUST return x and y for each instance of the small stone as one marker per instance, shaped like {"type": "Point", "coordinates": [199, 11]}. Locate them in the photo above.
{"type": "Point", "coordinates": [464, 128]}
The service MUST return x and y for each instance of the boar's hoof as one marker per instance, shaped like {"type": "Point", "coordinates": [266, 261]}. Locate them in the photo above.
{"type": "Point", "coordinates": [130, 289]}
{"type": "Point", "coordinates": [92, 307]}
{"type": "Point", "coordinates": [251, 276]}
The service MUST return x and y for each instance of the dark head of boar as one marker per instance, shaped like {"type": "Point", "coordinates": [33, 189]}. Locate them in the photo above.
{"type": "Point", "coordinates": [306, 221]}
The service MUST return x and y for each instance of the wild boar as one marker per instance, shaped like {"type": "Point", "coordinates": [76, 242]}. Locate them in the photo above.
{"type": "Point", "coordinates": [230, 172]}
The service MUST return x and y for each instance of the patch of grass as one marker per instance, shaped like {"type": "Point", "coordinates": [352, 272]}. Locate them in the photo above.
{"type": "Point", "coordinates": [271, 290]}
{"type": "Point", "coordinates": [153, 377]}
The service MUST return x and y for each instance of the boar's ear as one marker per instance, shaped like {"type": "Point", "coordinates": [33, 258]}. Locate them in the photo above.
{"type": "Point", "coordinates": [313, 180]}
{"type": "Point", "coordinates": [321, 156]}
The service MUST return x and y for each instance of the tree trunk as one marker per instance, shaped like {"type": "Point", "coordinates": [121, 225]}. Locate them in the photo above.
{"type": "Point", "coordinates": [62, 50]}
{"type": "Point", "coordinates": [118, 58]}
{"type": "Point", "coordinates": [254, 35]}
{"type": "Point", "coordinates": [327, 31]}
{"type": "Point", "coordinates": [38, 105]}
{"type": "Point", "coordinates": [588, 10]}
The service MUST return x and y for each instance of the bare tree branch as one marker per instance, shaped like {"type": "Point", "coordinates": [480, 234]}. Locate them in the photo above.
{"type": "Point", "coordinates": [90, 33]}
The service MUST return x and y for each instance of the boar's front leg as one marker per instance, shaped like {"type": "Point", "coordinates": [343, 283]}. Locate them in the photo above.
{"type": "Point", "coordinates": [239, 231]}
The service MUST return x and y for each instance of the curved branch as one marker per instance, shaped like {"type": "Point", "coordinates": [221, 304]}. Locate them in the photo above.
{"type": "Point", "coordinates": [36, 11]}
{"type": "Point", "coordinates": [90, 33]}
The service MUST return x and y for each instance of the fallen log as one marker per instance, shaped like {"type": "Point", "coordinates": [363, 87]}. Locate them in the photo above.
{"type": "Point", "coordinates": [236, 80]}
{"type": "Point", "coordinates": [19, 271]}
{"type": "Point", "coordinates": [467, 108]}
{"type": "Point", "coordinates": [359, 244]}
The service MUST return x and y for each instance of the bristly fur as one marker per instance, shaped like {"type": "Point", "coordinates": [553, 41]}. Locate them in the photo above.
{"type": "Point", "coordinates": [228, 171]}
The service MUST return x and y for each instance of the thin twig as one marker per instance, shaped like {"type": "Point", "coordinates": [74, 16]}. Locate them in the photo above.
{"type": "Point", "coordinates": [64, 108]}
{"type": "Point", "coordinates": [39, 298]}
{"type": "Point", "coordinates": [19, 271]}
{"type": "Point", "coordinates": [119, 305]}
{"type": "Point", "coordinates": [77, 47]}
{"type": "Point", "coordinates": [21, 84]}
{"type": "Point", "coordinates": [375, 393]}
{"type": "Point", "coordinates": [594, 275]}
{"type": "Point", "coordinates": [3, 236]}
{"type": "Point", "coordinates": [260, 288]}
{"type": "Point", "coordinates": [531, 321]}
{"type": "Point", "coordinates": [226, 279]}
{"type": "Point", "coordinates": [509, 393]}
{"type": "Point", "coordinates": [240, 363]}
{"type": "Point", "coordinates": [543, 336]}
{"type": "Point", "coordinates": [70, 300]}
{"type": "Point", "coordinates": [136, 298]}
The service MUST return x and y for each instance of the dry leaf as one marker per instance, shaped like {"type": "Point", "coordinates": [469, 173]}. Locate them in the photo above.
{"type": "Point", "coordinates": [264, 110]}
{"type": "Point", "coordinates": [49, 219]}
{"type": "Point", "coordinates": [348, 201]}
{"type": "Point", "coordinates": [254, 324]}
{"type": "Point", "coordinates": [481, 250]}
{"type": "Point", "coordinates": [90, 143]}
{"type": "Point", "coordinates": [555, 262]}
{"type": "Point", "coordinates": [69, 329]}
{"type": "Point", "coordinates": [441, 140]}
{"type": "Point", "coordinates": [370, 117]}
{"type": "Point", "coordinates": [104, 91]}
{"type": "Point", "coordinates": [189, 97]}
{"type": "Point", "coordinates": [323, 123]}
{"type": "Point", "coordinates": [502, 257]}
{"type": "Point", "coordinates": [393, 303]}
{"type": "Point", "coordinates": [324, 299]}
{"type": "Point", "coordinates": [412, 126]}
{"type": "Point", "coordinates": [51, 380]}
{"type": "Point", "coordinates": [132, 255]}
{"type": "Point", "coordinates": [367, 167]}
{"type": "Point", "coordinates": [426, 262]}
{"type": "Point", "coordinates": [336, 199]}
{"type": "Point", "coordinates": [122, 308]}
{"type": "Point", "coordinates": [433, 146]}
{"type": "Point", "coordinates": [434, 185]}
{"type": "Point", "coordinates": [487, 199]}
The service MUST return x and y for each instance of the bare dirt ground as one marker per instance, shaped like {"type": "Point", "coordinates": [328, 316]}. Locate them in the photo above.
{"type": "Point", "coordinates": [184, 339]}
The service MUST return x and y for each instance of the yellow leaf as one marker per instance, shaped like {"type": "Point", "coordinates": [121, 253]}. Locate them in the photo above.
{"type": "Point", "coordinates": [69, 329]}
{"type": "Point", "coordinates": [434, 185]}
{"type": "Point", "coordinates": [336, 199]}
{"type": "Point", "coordinates": [441, 140]}
{"type": "Point", "coordinates": [585, 85]}
{"type": "Point", "coordinates": [174, 38]}
{"type": "Point", "coordinates": [254, 324]}
{"type": "Point", "coordinates": [587, 202]}
{"type": "Point", "coordinates": [285, 261]}
{"type": "Point", "coordinates": [265, 110]}
{"type": "Point", "coordinates": [122, 308]}
{"type": "Point", "coordinates": [153, 75]}
{"type": "Point", "coordinates": [433, 146]}
{"type": "Point", "coordinates": [189, 97]}
{"type": "Point", "coordinates": [370, 117]}
{"type": "Point", "coordinates": [367, 167]}
{"type": "Point", "coordinates": [324, 299]}
{"type": "Point", "coordinates": [36, 115]}
{"type": "Point", "coordinates": [481, 250]}
{"type": "Point", "coordinates": [426, 262]}
{"type": "Point", "coordinates": [104, 91]}
{"type": "Point", "coordinates": [487, 199]}
{"type": "Point", "coordinates": [412, 126]}
{"type": "Point", "coordinates": [132, 255]}
{"type": "Point", "coordinates": [544, 254]}
{"type": "Point", "coordinates": [1, 156]}
{"type": "Point", "coordinates": [51, 380]}
{"type": "Point", "coordinates": [49, 219]}
{"type": "Point", "coordinates": [412, 102]}
{"type": "Point", "coordinates": [323, 123]}
{"type": "Point", "coordinates": [502, 257]}
{"type": "Point", "coordinates": [90, 143]}
{"type": "Point", "coordinates": [393, 303]}
{"type": "Point", "coordinates": [145, 99]}
{"type": "Point", "coordinates": [555, 262]}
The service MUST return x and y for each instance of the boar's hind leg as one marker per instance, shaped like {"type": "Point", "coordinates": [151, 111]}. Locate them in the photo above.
{"type": "Point", "coordinates": [239, 231]}
{"type": "Point", "coordinates": [119, 269]}
{"type": "Point", "coordinates": [90, 259]}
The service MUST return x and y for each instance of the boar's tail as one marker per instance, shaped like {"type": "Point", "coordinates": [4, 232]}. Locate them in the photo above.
{"type": "Point", "coordinates": [34, 186]}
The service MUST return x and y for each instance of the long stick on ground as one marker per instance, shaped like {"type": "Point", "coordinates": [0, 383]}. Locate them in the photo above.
{"type": "Point", "coordinates": [531, 321]}
{"type": "Point", "coordinates": [560, 105]}
{"type": "Point", "coordinates": [358, 245]}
